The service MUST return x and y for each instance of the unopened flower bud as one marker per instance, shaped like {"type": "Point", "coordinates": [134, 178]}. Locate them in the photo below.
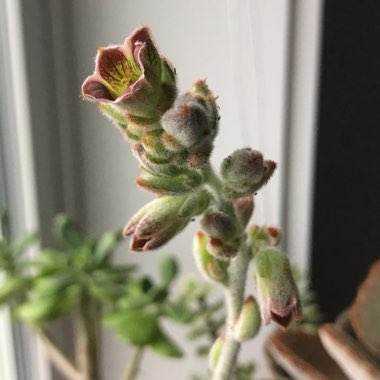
{"type": "Point", "coordinates": [210, 267]}
{"type": "Point", "coordinates": [200, 153]}
{"type": "Point", "coordinates": [187, 121]}
{"type": "Point", "coordinates": [243, 164]}
{"type": "Point", "coordinates": [222, 250]}
{"type": "Point", "coordinates": [244, 207]}
{"type": "Point", "coordinates": [245, 172]}
{"type": "Point", "coordinates": [277, 292]}
{"type": "Point", "coordinates": [170, 143]}
{"type": "Point", "coordinates": [263, 237]}
{"type": "Point", "coordinates": [196, 203]}
{"type": "Point", "coordinates": [249, 321]}
{"type": "Point", "coordinates": [215, 352]}
{"type": "Point", "coordinates": [203, 94]}
{"type": "Point", "coordinates": [166, 185]}
{"type": "Point", "coordinates": [220, 225]}
{"type": "Point", "coordinates": [274, 234]}
{"type": "Point", "coordinates": [156, 223]}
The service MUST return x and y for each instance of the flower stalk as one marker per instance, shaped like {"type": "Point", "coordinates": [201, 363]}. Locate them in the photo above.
{"type": "Point", "coordinates": [87, 340]}
{"type": "Point", "coordinates": [173, 138]}
{"type": "Point", "coordinates": [234, 288]}
{"type": "Point", "coordinates": [234, 298]}
{"type": "Point", "coordinates": [134, 363]}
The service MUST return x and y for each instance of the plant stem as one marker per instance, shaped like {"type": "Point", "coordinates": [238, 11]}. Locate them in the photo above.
{"type": "Point", "coordinates": [87, 341]}
{"type": "Point", "coordinates": [234, 302]}
{"type": "Point", "coordinates": [58, 358]}
{"type": "Point", "coordinates": [235, 289]}
{"type": "Point", "coordinates": [214, 184]}
{"type": "Point", "coordinates": [134, 363]}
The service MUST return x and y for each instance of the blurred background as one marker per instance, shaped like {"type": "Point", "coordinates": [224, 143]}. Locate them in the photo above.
{"type": "Point", "coordinates": [298, 80]}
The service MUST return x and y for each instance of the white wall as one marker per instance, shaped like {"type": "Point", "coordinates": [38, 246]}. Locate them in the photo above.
{"type": "Point", "coordinates": [240, 48]}
{"type": "Point", "coordinates": [266, 94]}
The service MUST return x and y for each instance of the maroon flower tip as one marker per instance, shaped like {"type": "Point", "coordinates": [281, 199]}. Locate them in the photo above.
{"type": "Point", "coordinates": [283, 321]}
{"type": "Point", "coordinates": [129, 230]}
{"type": "Point", "coordinates": [139, 35]}
{"type": "Point", "coordinates": [138, 245]}
{"type": "Point", "coordinates": [271, 165]}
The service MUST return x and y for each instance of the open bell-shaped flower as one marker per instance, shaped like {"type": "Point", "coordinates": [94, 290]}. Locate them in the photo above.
{"type": "Point", "coordinates": [132, 76]}
{"type": "Point", "coordinates": [277, 293]}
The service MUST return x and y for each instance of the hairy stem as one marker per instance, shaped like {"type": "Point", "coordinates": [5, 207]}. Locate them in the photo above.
{"type": "Point", "coordinates": [234, 294]}
{"type": "Point", "coordinates": [235, 289]}
{"type": "Point", "coordinates": [87, 341]}
{"type": "Point", "coordinates": [214, 184]}
{"type": "Point", "coordinates": [134, 363]}
{"type": "Point", "coordinates": [58, 358]}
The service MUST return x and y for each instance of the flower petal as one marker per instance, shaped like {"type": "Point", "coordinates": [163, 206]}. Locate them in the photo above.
{"type": "Point", "coordinates": [282, 320]}
{"type": "Point", "coordinates": [144, 51]}
{"type": "Point", "coordinates": [117, 71]}
{"type": "Point", "coordinates": [93, 89]}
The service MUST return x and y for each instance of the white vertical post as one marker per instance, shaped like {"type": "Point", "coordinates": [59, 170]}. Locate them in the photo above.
{"type": "Point", "coordinates": [23, 164]}
{"type": "Point", "coordinates": [301, 127]}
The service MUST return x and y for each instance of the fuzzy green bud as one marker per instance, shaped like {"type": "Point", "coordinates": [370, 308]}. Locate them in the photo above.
{"type": "Point", "coordinates": [249, 321]}
{"type": "Point", "coordinates": [243, 164]}
{"type": "Point", "coordinates": [245, 172]}
{"type": "Point", "coordinates": [244, 207]}
{"type": "Point", "coordinates": [220, 225]}
{"type": "Point", "coordinates": [164, 185]}
{"type": "Point", "coordinates": [203, 94]}
{"type": "Point", "coordinates": [263, 237]}
{"type": "Point", "coordinates": [278, 295]}
{"type": "Point", "coordinates": [222, 250]}
{"type": "Point", "coordinates": [210, 267]}
{"type": "Point", "coordinates": [196, 203]}
{"type": "Point", "coordinates": [187, 121]}
{"type": "Point", "coordinates": [215, 352]}
{"type": "Point", "coordinates": [156, 223]}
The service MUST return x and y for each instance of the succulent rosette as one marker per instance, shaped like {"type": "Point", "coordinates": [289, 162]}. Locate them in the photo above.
{"type": "Point", "coordinates": [132, 76]}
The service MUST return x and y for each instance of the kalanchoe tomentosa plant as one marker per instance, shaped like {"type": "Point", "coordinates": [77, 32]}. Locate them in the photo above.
{"type": "Point", "coordinates": [173, 138]}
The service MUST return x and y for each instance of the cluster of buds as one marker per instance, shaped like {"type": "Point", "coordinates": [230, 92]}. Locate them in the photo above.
{"type": "Point", "coordinates": [172, 137]}
{"type": "Point", "coordinates": [136, 88]}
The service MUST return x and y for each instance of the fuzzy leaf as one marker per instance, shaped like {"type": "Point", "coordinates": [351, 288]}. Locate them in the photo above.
{"type": "Point", "coordinates": [164, 346]}
{"type": "Point", "coordinates": [48, 308]}
{"type": "Point", "coordinates": [67, 231]}
{"type": "Point", "coordinates": [170, 186]}
{"type": "Point", "coordinates": [179, 312]}
{"type": "Point", "coordinates": [168, 269]}
{"type": "Point", "coordinates": [105, 246]}
{"type": "Point", "coordinates": [24, 242]}
{"type": "Point", "coordinates": [12, 287]}
{"type": "Point", "coordinates": [137, 327]}
{"type": "Point", "coordinates": [157, 294]}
